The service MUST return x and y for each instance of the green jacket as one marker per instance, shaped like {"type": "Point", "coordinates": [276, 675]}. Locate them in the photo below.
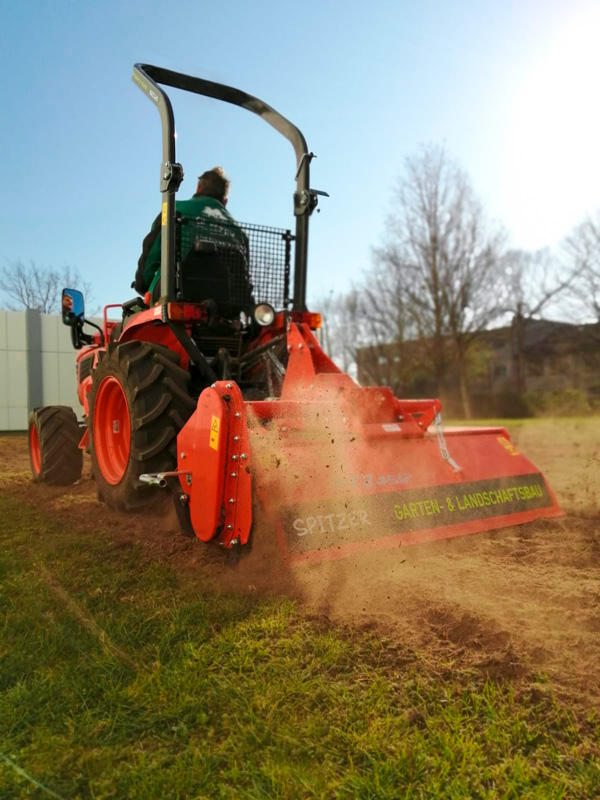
{"type": "Point", "coordinates": [197, 206]}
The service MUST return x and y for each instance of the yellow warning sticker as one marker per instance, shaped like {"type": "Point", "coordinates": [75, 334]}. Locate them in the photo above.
{"type": "Point", "coordinates": [164, 214]}
{"type": "Point", "coordinates": [214, 434]}
{"type": "Point", "coordinates": [508, 446]}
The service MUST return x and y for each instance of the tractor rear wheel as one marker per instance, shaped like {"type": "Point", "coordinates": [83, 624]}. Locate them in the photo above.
{"type": "Point", "coordinates": [54, 454]}
{"type": "Point", "coordinates": [138, 403]}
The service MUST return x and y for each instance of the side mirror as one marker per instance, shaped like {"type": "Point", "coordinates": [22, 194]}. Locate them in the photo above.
{"type": "Point", "coordinates": [72, 307]}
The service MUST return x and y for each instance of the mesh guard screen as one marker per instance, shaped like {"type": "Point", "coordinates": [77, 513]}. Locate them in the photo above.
{"type": "Point", "coordinates": [258, 258]}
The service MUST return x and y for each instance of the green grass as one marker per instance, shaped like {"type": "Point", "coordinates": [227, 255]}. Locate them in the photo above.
{"type": "Point", "coordinates": [121, 679]}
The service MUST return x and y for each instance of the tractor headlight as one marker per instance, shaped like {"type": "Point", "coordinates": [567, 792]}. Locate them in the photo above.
{"type": "Point", "coordinates": [264, 314]}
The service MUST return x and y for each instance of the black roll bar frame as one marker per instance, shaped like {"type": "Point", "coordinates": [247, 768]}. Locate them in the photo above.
{"type": "Point", "coordinates": [148, 78]}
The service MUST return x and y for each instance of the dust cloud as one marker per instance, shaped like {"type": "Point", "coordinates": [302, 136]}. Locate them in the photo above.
{"type": "Point", "coordinates": [520, 600]}
{"type": "Point", "coordinates": [525, 598]}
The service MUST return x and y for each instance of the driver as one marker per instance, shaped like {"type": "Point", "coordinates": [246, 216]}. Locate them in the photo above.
{"type": "Point", "coordinates": [208, 203]}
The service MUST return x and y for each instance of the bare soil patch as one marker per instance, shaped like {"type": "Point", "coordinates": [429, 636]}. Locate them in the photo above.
{"type": "Point", "coordinates": [520, 600]}
{"type": "Point", "coordinates": [515, 602]}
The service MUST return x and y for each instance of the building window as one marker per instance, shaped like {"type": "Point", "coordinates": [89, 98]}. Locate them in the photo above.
{"type": "Point", "coordinates": [500, 371]}
{"type": "Point", "coordinates": [381, 360]}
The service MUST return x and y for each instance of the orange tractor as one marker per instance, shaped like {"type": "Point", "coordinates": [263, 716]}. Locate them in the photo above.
{"type": "Point", "coordinates": [216, 391]}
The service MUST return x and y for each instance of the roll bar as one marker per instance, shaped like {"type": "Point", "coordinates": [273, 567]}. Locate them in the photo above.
{"type": "Point", "coordinates": [148, 78]}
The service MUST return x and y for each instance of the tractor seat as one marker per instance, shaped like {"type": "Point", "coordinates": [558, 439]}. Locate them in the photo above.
{"type": "Point", "coordinates": [217, 272]}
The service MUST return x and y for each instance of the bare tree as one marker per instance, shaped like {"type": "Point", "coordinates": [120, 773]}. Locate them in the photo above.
{"type": "Point", "coordinates": [446, 260]}
{"type": "Point", "coordinates": [539, 282]}
{"type": "Point", "coordinates": [390, 354]}
{"type": "Point", "coordinates": [36, 287]}
{"type": "Point", "coordinates": [345, 327]}
{"type": "Point", "coordinates": [338, 324]}
{"type": "Point", "coordinates": [582, 248]}
{"type": "Point", "coordinates": [363, 328]}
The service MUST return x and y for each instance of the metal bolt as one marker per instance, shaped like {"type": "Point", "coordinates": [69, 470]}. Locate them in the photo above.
{"type": "Point", "coordinates": [234, 458]}
{"type": "Point", "coordinates": [228, 385]}
{"type": "Point", "coordinates": [182, 455]}
{"type": "Point", "coordinates": [237, 414]}
{"type": "Point", "coordinates": [229, 527]}
{"type": "Point", "coordinates": [184, 499]}
{"type": "Point", "coordinates": [289, 347]}
{"type": "Point", "coordinates": [188, 480]}
{"type": "Point", "coordinates": [234, 542]}
{"type": "Point", "coordinates": [232, 499]}
{"type": "Point", "coordinates": [300, 346]}
{"type": "Point", "coordinates": [243, 455]}
{"type": "Point", "coordinates": [236, 438]}
{"type": "Point", "coordinates": [234, 474]}
{"type": "Point", "coordinates": [212, 386]}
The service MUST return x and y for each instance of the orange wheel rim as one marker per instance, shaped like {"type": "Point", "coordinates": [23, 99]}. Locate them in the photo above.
{"type": "Point", "coordinates": [34, 449]}
{"type": "Point", "coordinates": [112, 430]}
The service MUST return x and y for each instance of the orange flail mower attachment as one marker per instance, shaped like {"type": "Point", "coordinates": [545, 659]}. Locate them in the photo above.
{"type": "Point", "coordinates": [339, 468]}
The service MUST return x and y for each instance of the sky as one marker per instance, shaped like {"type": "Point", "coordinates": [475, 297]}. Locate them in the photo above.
{"type": "Point", "coordinates": [509, 88]}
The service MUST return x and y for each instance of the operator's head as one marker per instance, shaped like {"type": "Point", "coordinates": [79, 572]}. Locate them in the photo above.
{"type": "Point", "coordinates": [214, 183]}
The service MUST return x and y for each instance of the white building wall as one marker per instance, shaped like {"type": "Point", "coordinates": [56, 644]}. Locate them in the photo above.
{"type": "Point", "coordinates": [59, 379]}
{"type": "Point", "coordinates": [13, 371]}
{"type": "Point", "coordinates": [37, 366]}
{"type": "Point", "coordinates": [3, 385]}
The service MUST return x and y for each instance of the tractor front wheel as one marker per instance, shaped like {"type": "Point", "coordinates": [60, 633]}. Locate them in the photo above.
{"type": "Point", "coordinates": [138, 402]}
{"type": "Point", "coordinates": [54, 454]}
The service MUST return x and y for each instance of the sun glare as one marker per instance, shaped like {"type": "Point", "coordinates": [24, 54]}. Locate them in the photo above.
{"type": "Point", "coordinates": [552, 168]}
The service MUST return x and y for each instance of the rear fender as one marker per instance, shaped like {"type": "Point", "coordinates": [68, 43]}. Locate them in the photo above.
{"type": "Point", "coordinates": [148, 326]}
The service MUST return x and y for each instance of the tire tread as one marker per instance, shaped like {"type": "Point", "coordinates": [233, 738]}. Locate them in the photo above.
{"type": "Point", "coordinates": [59, 435]}
{"type": "Point", "coordinates": [157, 391]}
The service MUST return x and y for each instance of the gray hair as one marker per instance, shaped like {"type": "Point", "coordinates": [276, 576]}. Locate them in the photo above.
{"type": "Point", "coordinates": [214, 183]}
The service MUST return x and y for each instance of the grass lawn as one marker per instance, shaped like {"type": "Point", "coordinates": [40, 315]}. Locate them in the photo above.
{"type": "Point", "coordinates": [120, 678]}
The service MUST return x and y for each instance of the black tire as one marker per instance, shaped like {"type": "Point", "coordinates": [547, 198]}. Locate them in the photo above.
{"type": "Point", "coordinates": [59, 460]}
{"type": "Point", "coordinates": [156, 390]}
